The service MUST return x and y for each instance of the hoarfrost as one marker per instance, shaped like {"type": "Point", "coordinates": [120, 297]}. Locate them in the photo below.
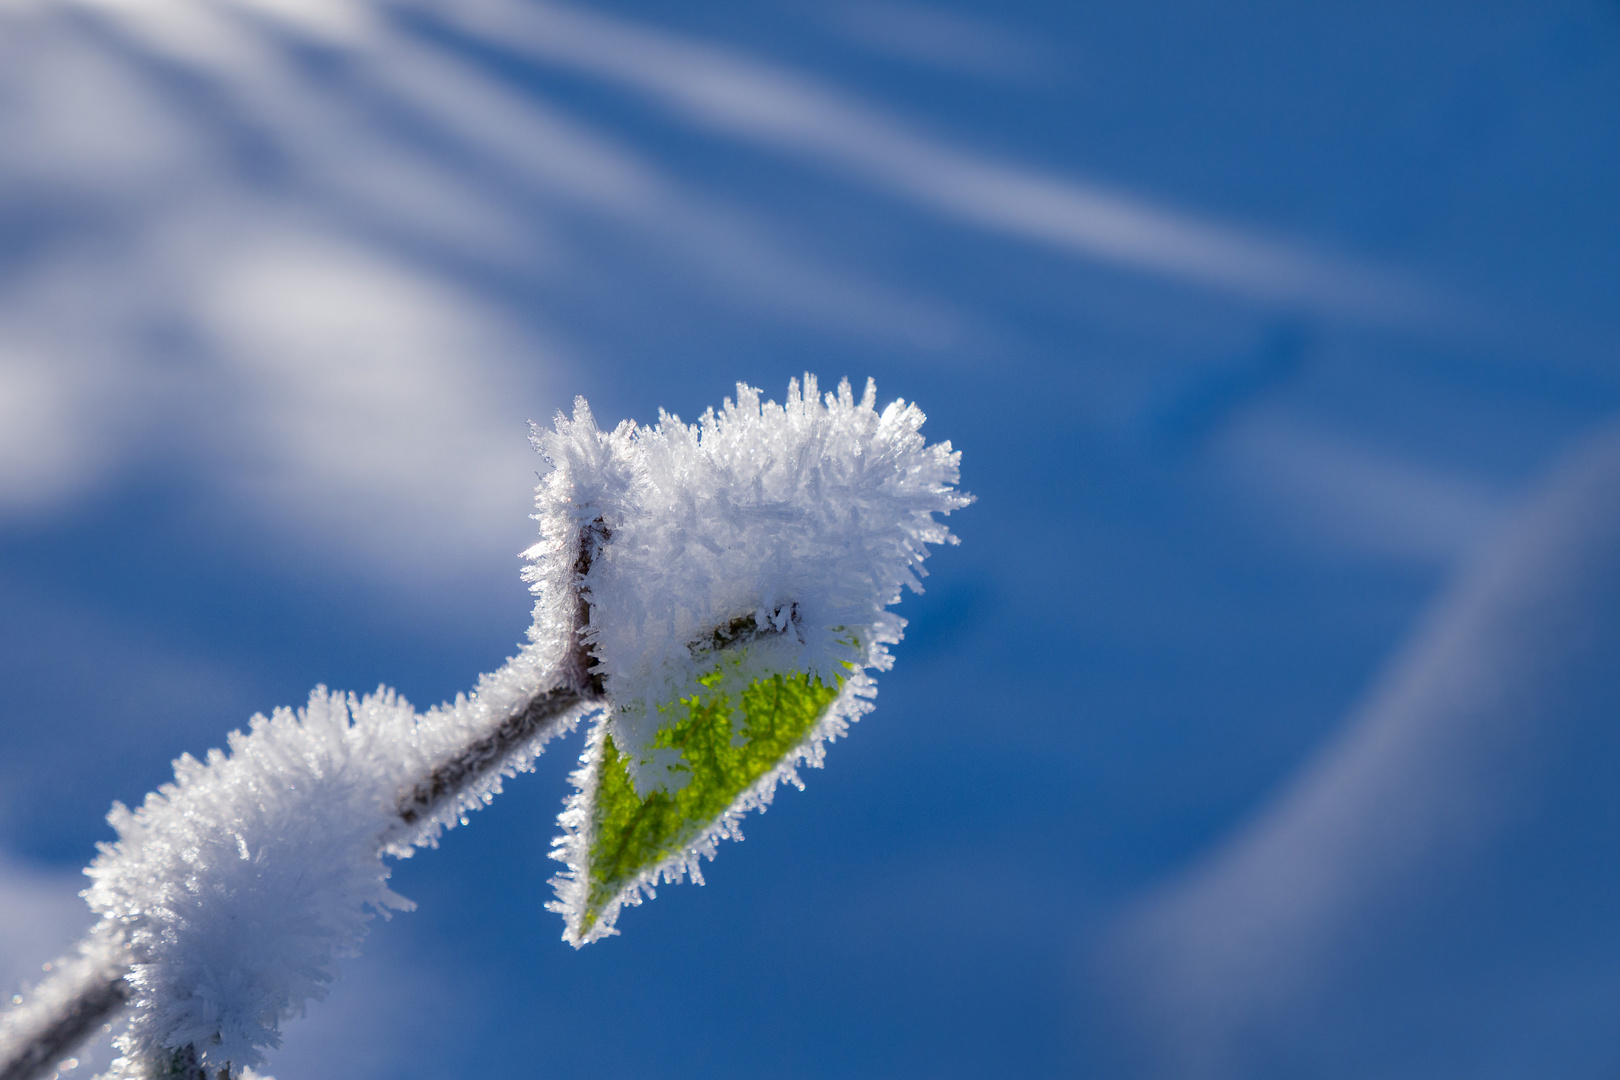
{"type": "Point", "coordinates": [231, 893]}
{"type": "Point", "coordinates": [794, 525]}
{"type": "Point", "coordinates": [239, 885]}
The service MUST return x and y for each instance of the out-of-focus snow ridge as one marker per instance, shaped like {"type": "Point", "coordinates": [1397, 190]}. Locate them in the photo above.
{"type": "Point", "coordinates": [1487, 749]}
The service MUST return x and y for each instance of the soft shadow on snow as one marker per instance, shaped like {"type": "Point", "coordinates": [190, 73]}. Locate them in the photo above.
{"type": "Point", "coordinates": [1435, 895]}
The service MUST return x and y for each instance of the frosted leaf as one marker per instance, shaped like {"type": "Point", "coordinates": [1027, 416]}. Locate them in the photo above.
{"type": "Point", "coordinates": [738, 589]}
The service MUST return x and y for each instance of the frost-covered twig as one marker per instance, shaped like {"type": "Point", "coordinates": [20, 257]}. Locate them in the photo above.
{"type": "Point", "coordinates": [98, 999]}
{"type": "Point", "coordinates": [90, 988]}
{"type": "Point", "coordinates": [717, 594]}
{"type": "Point", "coordinates": [484, 756]}
{"type": "Point", "coordinates": [578, 685]}
{"type": "Point", "coordinates": [83, 991]}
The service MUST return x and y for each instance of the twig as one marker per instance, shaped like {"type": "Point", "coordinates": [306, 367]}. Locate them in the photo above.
{"type": "Point", "coordinates": [105, 989]}
{"type": "Point", "coordinates": [31, 1046]}
{"type": "Point", "coordinates": [578, 685]}
{"type": "Point", "coordinates": [102, 996]}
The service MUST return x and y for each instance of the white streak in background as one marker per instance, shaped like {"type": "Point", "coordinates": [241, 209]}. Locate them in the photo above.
{"type": "Point", "coordinates": [377, 408]}
{"type": "Point", "coordinates": [278, 337]}
{"type": "Point", "coordinates": [1347, 498]}
{"type": "Point", "coordinates": [337, 22]}
{"type": "Point", "coordinates": [727, 92]}
{"type": "Point", "coordinates": [45, 456]}
{"type": "Point", "coordinates": [70, 408]}
{"type": "Point", "coordinates": [336, 145]}
{"type": "Point", "coordinates": [72, 105]}
{"type": "Point", "coordinates": [564, 156]}
{"type": "Point", "coordinates": [1471, 789]}
{"type": "Point", "coordinates": [183, 30]}
{"type": "Point", "coordinates": [741, 257]}
{"type": "Point", "coordinates": [373, 397]}
{"type": "Point", "coordinates": [316, 377]}
{"type": "Point", "coordinates": [945, 39]}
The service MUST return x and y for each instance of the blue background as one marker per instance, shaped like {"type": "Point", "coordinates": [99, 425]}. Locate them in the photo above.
{"type": "Point", "coordinates": [1256, 323]}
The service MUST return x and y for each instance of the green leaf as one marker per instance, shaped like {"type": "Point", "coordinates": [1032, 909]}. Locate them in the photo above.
{"type": "Point", "coordinates": [730, 731]}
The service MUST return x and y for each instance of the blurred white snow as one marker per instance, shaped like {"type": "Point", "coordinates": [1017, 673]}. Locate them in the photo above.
{"type": "Point", "coordinates": [1348, 497]}
{"type": "Point", "coordinates": [739, 96]}
{"type": "Point", "coordinates": [952, 40]}
{"type": "Point", "coordinates": [1439, 873]}
{"type": "Point", "coordinates": [280, 331]}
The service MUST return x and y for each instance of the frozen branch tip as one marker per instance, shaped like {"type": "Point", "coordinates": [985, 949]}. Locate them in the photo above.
{"type": "Point", "coordinates": [711, 600]}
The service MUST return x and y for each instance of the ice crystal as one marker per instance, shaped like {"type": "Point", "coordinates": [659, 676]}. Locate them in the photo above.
{"type": "Point", "coordinates": [738, 592]}
{"type": "Point", "coordinates": [239, 885]}
{"type": "Point", "coordinates": [733, 579]}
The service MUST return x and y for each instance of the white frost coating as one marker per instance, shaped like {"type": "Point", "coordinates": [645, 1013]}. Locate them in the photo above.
{"type": "Point", "coordinates": [807, 518]}
{"type": "Point", "coordinates": [239, 885]}
{"type": "Point", "coordinates": [99, 958]}
{"type": "Point", "coordinates": [231, 892]}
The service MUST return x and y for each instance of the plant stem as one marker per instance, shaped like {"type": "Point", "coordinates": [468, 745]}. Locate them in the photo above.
{"type": "Point", "coordinates": [100, 997]}
{"type": "Point", "coordinates": [543, 712]}
{"type": "Point", "coordinates": [103, 991]}
{"type": "Point", "coordinates": [31, 1045]}
{"type": "Point", "coordinates": [29, 1049]}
